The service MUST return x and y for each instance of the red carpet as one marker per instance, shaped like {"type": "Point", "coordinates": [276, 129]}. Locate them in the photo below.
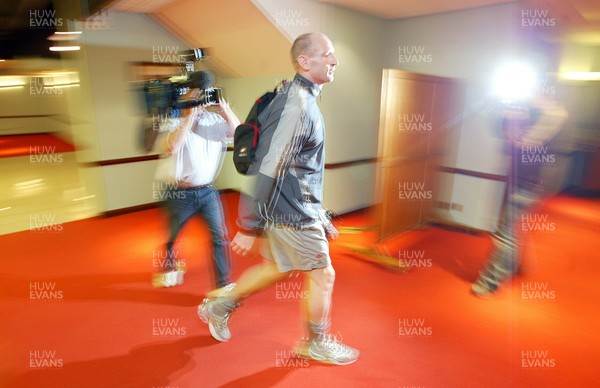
{"type": "Point", "coordinates": [34, 145]}
{"type": "Point", "coordinates": [78, 310]}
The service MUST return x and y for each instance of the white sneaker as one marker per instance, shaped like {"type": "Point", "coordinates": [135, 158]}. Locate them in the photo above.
{"type": "Point", "coordinates": [217, 324]}
{"type": "Point", "coordinates": [168, 279]}
{"type": "Point", "coordinates": [179, 277]}
{"type": "Point", "coordinates": [327, 349]}
{"type": "Point", "coordinates": [220, 291]}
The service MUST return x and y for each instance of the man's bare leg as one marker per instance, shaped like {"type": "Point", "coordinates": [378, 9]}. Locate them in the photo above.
{"type": "Point", "coordinates": [251, 281]}
{"type": "Point", "coordinates": [317, 305]}
{"type": "Point", "coordinates": [320, 345]}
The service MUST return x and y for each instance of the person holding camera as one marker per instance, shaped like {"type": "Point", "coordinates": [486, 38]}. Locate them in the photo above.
{"type": "Point", "coordinates": [286, 208]}
{"type": "Point", "coordinates": [527, 128]}
{"type": "Point", "coordinates": [194, 151]}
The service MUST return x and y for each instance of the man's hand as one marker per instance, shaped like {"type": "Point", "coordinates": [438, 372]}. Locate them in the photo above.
{"type": "Point", "coordinates": [331, 232]}
{"type": "Point", "coordinates": [229, 116]}
{"type": "Point", "coordinates": [242, 243]}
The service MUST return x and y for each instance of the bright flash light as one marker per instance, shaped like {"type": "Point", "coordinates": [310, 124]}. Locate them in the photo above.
{"type": "Point", "coordinates": [514, 81]}
{"type": "Point", "coordinates": [65, 48]}
{"type": "Point", "coordinates": [581, 76]}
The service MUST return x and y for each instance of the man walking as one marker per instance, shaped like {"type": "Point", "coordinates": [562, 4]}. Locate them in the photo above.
{"type": "Point", "coordinates": [286, 207]}
{"type": "Point", "coordinates": [198, 144]}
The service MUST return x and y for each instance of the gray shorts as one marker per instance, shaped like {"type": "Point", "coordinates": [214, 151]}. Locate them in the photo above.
{"type": "Point", "coordinates": [296, 249]}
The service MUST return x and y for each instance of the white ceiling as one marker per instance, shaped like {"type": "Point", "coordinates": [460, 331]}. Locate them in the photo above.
{"type": "Point", "coordinates": [399, 9]}
{"type": "Point", "coordinates": [577, 21]}
{"type": "Point", "coordinates": [219, 27]}
{"type": "Point", "coordinates": [385, 9]}
{"type": "Point", "coordinates": [142, 6]}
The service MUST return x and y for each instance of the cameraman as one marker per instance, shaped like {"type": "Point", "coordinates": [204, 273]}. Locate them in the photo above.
{"type": "Point", "coordinates": [527, 127]}
{"type": "Point", "coordinates": [196, 148]}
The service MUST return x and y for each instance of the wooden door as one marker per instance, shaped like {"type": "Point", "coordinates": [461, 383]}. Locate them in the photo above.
{"type": "Point", "coordinates": [420, 119]}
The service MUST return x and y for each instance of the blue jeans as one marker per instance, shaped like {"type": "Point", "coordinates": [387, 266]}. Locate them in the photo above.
{"type": "Point", "coordinates": [185, 203]}
{"type": "Point", "coordinates": [505, 258]}
{"type": "Point", "coordinates": [508, 237]}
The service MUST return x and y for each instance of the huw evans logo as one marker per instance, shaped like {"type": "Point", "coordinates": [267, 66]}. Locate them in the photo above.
{"type": "Point", "coordinates": [545, 87]}
{"type": "Point", "coordinates": [46, 223]}
{"type": "Point", "coordinates": [537, 18]}
{"type": "Point", "coordinates": [413, 191]}
{"type": "Point", "coordinates": [413, 328]}
{"type": "Point", "coordinates": [286, 156]}
{"type": "Point", "coordinates": [537, 359]}
{"type": "Point", "coordinates": [44, 359]}
{"type": "Point", "coordinates": [44, 291]}
{"type": "Point", "coordinates": [290, 18]}
{"type": "Point", "coordinates": [537, 291]}
{"type": "Point", "coordinates": [41, 19]}
{"type": "Point", "coordinates": [168, 327]}
{"type": "Point", "coordinates": [167, 191]}
{"type": "Point", "coordinates": [167, 54]}
{"type": "Point", "coordinates": [413, 258]}
{"type": "Point", "coordinates": [537, 223]}
{"type": "Point", "coordinates": [291, 290]}
{"type": "Point", "coordinates": [413, 54]}
{"type": "Point", "coordinates": [44, 155]}
{"type": "Point", "coordinates": [413, 123]}
{"type": "Point", "coordinates": [284, 221]}
{"type": "Point", "coordinates": [161, 262]}
{"type": "Point", "coordinates": [289, 359]}
{"type": "Point", "coordinates": [39, 86]}
{"type": "Point", "coordinates": [537, 156]}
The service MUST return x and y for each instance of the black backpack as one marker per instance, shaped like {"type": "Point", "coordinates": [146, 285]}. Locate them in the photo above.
{"type": "Point", "coordinates": [245, 138]}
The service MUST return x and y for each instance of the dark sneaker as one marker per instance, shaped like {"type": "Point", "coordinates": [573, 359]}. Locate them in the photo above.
{"type": "Point", "coordinates": [484, 286]}
{"type": "Point", "coordinates": [490, 279]}
{"type": "Point", "coordinates": [327, 349]}
{"type": "Point", "coordinates": [217, 323]}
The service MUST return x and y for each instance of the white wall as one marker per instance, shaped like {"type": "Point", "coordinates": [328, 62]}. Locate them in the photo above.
{"type": "Point", "coordinates": [463, 44]}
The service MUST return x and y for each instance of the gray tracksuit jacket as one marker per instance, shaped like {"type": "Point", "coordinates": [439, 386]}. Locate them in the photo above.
{"type": "Point", "coordinates": [289, 165]}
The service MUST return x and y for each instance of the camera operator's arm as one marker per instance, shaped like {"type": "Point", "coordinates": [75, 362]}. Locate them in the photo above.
{"type": "Point", "coordinates": [551, 120]}
{"type": "Point", "coordinates": [229, 117]}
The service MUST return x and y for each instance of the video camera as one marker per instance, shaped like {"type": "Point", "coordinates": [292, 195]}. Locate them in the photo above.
{"type": "Point", "coordinates": [163, 96]}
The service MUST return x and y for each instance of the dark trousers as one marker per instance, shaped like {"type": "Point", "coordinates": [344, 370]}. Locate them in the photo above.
{"type": "Point", "coordinates": [182, 204]}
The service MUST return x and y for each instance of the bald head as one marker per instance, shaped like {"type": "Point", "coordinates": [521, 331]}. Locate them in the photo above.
{"type": "Point", "coordinates": [313, 57]}
{"type": "Point", "coordinates": [304, 45]}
